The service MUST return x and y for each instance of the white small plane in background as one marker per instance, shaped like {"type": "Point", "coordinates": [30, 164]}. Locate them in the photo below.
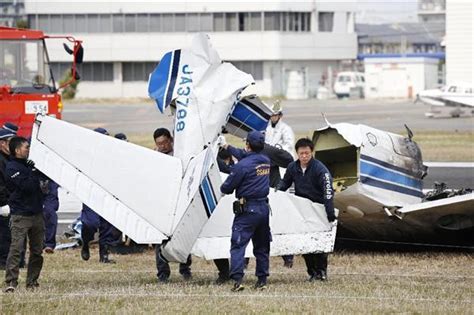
{"type": "Point", "coordinates": [455, 96]}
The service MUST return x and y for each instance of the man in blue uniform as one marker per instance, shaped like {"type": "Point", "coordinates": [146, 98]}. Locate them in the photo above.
{"type": "Point", "coordinates": [50, 207]}
{"type": "Point", "coordinates": [5, 237]}
{"type": "Point", "coordinates": [164, 144]}
{"type": "Point", "coordinates": [26, 207]}
{"type": "Point", "coordinates": [251, 182]}
{"type": "Point", "coordinates": [312, 181]}
{"type": "Point", "coordinates": [91, 222]}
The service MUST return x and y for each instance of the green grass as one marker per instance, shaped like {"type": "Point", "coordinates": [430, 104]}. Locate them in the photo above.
{"type": "Point", "coordinates": [435, 146]}
{"type": "Point", "coordinates": [358, 283]}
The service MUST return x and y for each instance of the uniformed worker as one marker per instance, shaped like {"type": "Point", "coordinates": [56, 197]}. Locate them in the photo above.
{"type": "Point", "coordinates": [313, 181]}
{"type": "Point", "coordinates": [26, 207]}
{"type": "Point", "coordinates": [164, 144]}
{"type": "Point", "coordinates": [251, 182]}
{"type": "Point", "coordinates": [5, 237]}
{"type": "Point", "coordinates": [50, 208]}
{"type": "Point", "coordinates": [91, 222]}
{"type": "Point", "coordinates": [278, 133]}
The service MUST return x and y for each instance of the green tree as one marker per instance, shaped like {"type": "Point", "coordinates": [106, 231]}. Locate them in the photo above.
{"type": "Point", "coordinates": [69, 92]}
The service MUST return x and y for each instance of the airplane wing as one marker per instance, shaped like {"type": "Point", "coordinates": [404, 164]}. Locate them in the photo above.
{"type": "Point", "coordinates": [454, 213]}
{"type": "Point", "coordinates": [122, 182]}
{"type": "Point", "coordinates": [204, 90]}
{"type": "Point", "coordinates": [298, 226]}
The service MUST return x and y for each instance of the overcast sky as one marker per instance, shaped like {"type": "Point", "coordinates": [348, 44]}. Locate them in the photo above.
{"type": "Point", "coordinates": [386, 11]}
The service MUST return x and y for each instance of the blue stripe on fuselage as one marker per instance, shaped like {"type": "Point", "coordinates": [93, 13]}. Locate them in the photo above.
{"type": "Point", "coordinates": [392, 187]}
{"type": "Point", "coordinates": [158, 84]}
{"type": "Point", "coordinates": [243, 114]}
{"type": "Point", "coordinates": [378, 172]}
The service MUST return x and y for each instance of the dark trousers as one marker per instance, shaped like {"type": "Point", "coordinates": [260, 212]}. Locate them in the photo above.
{"type": "Point", "coordinates": [106, 237]}
{"type": "Point", "coordinates": [21, 227]}
{"type": "Point", "coordinates": [253, 225]}
{"type": "Point", "coordinates": [5, 240]}
{"type": "Point", "coordinates": [163, 267]}
{"type": "Point", "coordinates": [51, 225]}
{"type": "Point", "coordinates": [315, 263]}
{"type": "Point", "coordinates": [223, 268]}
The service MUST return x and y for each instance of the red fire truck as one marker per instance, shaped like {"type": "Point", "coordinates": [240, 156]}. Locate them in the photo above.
{"type": "Point", "coordinates": [27, 85]}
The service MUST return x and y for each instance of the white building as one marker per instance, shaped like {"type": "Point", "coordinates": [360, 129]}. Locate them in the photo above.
{"type": "Point", "coordinates": [274, 41]}
{"type": "Point", "coordinates": [459, 42]}
{"type": "Point", "coordinates": [399, 77]}
{"type": "Point", "coordinates": [432, 10]}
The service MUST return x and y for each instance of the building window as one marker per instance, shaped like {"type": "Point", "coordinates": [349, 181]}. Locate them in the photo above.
{"type": "Point", "coordinates": [137, 71]}
{"type": "Point", "coordinates": [206, 22]}
{"type": "Point", "coordinates": [155, 23]}
{"type": "Point", "coordinates": [88, 71]}
{"type": "Point", "coordinates": [272, 21]}
{"type": "Point", "coordinates": [255, 68]}
{"type": "Point", "coordinates": [325, 21]}
{"type": "Point", "coordinates": [169, 22]}
{"type": "Point", "coordinates": [118, 22]}
{"type": "Point", "coordinates": [142, 23]}
{"type": "Point", "coordinates": [231, 22]}
{"type": "Point", "coordinates": [130, 23]}
{"type": "Point", "coordinates": [219, 22]}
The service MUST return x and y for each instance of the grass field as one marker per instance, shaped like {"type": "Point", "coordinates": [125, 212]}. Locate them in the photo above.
{"type": "Point", "coordinates": [435, 146]}
{"type": "Point", "coordinates": [358, 283]}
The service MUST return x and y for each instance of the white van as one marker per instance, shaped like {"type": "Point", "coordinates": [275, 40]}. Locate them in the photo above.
{"type": "Point", "coordinates": [349, 84]}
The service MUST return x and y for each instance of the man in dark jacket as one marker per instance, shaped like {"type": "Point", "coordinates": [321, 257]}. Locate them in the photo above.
{"type": "Point", "coordinates": [312, 181]}
{"type": "Point", "coordinates": [50, 207]}
{"type": "Point", "coordinates": [164, 144]}
{"type": "Point", "coordinates": [92, 222]}
{"type": "Point", "coordinates": [26, 207]}
{"type": "Point", "coordinates": [5, 237]}
{"type": "Point", "coordinates": [250, 179]}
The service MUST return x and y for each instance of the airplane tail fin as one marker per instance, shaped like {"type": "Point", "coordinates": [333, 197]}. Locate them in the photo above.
{"type": "Point", "coordinates": [198, 199]}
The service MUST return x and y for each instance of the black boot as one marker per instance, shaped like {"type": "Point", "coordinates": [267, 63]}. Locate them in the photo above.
{"type": "Point", "coordinates": [104, 255]}
{"type": "Point", "coordinates": [85, 254]}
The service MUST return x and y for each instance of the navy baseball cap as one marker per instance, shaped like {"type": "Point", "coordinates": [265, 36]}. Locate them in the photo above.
{"type": "Point", "coordinates": [121, 136]}
{"type": "Point", "coordinates": [6, 134]}
{"type": "Point", "coordinates": [10, 127]}
{"type": "Point", "coordinates": [256, 138]}
{"type": "Point", "coordinates": [102, 131]}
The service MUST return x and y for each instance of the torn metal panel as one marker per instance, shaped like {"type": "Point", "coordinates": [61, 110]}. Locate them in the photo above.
{"type": "Point", "coordinates": [298, 226]}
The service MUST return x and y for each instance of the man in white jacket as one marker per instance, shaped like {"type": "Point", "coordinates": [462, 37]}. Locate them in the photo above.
{"type": "Point", "coordinates": [278, 133]}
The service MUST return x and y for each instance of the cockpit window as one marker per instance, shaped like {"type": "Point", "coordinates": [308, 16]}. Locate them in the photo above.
{"type": "Point", "coordinates": [452, 89]}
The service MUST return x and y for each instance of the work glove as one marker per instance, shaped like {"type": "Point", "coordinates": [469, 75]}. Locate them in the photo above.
{"type": "Point", "coordinates": [30, 163]}
{"type": "Point", "coordinates": [331, 218]}
{"type": "Point", "coordinates": [221, 142]}
{"type": "Point", "coordinates": [4, 211]}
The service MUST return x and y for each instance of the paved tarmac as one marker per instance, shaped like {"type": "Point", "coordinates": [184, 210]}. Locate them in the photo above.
{"type": "Point", "coordinates": [303, 116]}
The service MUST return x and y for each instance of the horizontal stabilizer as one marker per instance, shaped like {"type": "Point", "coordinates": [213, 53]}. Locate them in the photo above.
{"type": "Point", "coordinates": [109, 176]}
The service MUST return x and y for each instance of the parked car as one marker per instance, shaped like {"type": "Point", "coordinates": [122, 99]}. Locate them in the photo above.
{"type": "Point", "coordinates": [349, 84]}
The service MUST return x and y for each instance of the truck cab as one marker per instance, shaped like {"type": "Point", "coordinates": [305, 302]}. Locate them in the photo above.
{"type": "Point", "coordinates": [27, 85]}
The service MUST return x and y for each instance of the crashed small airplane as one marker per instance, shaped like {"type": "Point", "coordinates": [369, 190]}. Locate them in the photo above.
{"type": "Point", "coordinates": [175, 200]}
{"type": "Point", "coordinates": [378, 182]}
{"type": "Point", "coordinates": [456, 97]}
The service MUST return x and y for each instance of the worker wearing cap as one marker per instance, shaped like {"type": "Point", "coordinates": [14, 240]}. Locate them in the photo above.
{"type": "Point", "coordinates": [278, 133]}
{"type": "Point", "coordinates": [10, 127]}
{"type": "Point", "coordinates": [5, 236]}
{"type": "Point", "coordinates": [250, 180]}
{"type": "Point", "coordinates": [91, 222]}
